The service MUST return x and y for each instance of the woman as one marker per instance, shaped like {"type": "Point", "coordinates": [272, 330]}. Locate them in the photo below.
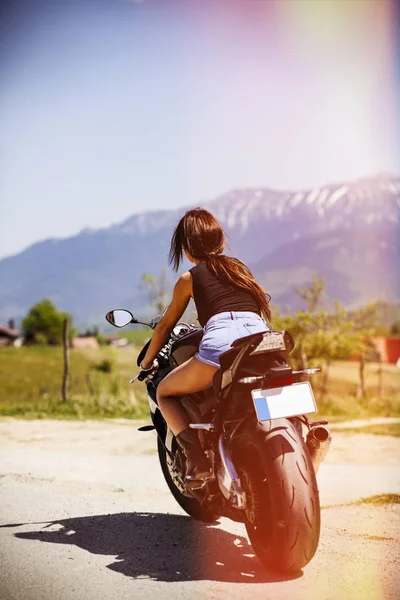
{"type": "Point", "coordinates": [230, 304]}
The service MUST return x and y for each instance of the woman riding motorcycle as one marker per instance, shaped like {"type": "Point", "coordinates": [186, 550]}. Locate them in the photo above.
{"type": "Point", "coordinates": [230, 304]}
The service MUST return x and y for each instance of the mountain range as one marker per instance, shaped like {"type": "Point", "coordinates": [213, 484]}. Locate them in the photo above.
{"type": "Point", "coordinates": [347, 233]}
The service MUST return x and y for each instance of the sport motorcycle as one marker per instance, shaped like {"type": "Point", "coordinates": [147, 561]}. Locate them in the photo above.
{"type": "Point", "coordinates": [264, 452]}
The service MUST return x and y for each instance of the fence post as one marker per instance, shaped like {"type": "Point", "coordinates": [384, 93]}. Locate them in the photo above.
{"type": "Point", "coordinates": [66, 359]}
{"type": "Point", "coordinates": [325, 379]}
{"type": "Point", "coordinates": [380, 376]}
{"type": "Point", "coordinates": [361, 390]}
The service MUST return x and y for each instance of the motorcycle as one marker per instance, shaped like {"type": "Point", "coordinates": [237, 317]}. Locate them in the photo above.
{"type": "Point", "coordinates": [263, 451]}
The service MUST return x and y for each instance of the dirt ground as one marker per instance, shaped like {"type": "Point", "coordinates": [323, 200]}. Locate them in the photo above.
{"type": "Point", "coordinates": [85, 513]}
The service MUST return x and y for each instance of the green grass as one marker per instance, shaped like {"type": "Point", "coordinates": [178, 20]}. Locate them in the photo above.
{"type": "Point", "coordinates": [392, 429]}
{"type": "Point", "coordinates": [30, 386]}
{"type": "Point", "coordinates": [340, 402]}
{"type": "Point", "coordinates": [137, 337]}
{"type": "Point", "coordinates": [379, 500]}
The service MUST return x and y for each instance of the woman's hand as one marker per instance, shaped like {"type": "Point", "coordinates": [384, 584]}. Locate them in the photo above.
{"type": "Point", "coordinates": [152, 367]}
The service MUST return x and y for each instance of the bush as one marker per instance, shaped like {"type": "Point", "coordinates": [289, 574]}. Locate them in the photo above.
{"type": "Point", "coordinates": [105, 366]}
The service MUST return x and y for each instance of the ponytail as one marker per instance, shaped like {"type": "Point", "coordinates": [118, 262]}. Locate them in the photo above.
{"type": "Point", "coordinates": [237, 273]}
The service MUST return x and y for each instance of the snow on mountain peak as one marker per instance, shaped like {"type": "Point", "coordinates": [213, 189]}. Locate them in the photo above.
{"type": "Point", "coordinates": [370, 199]}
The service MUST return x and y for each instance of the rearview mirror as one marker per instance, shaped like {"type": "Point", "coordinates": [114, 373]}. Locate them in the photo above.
{"type": "Point", "coordinates": [120, 317]}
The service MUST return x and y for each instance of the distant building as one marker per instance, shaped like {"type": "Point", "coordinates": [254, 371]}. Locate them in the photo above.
{"type": "Point", "coordinates": [388, 348]}
{"type": "Point", "coordinates": [85, 342]}
{"type": "Point", "coordinates": [9, 336]}
{"type": "Point", "coordinates": [117, 342]}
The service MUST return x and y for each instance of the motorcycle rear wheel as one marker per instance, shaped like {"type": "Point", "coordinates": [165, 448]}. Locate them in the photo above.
{"type": "Point", "coordinates": [283, 509]}
{"type": "Point", "coordinates": [191, 506]}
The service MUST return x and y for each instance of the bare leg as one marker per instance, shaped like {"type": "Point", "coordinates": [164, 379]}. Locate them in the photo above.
{"type": "Point", "coordinates": [191, 376]}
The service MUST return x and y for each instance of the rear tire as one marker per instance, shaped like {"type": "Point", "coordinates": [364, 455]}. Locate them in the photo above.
{"type": "Point", "coordinates": [283, 509]}
{"type": "Point", "coordinates": [190, 505]}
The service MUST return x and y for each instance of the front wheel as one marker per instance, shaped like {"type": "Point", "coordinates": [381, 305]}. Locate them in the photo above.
{"type": "Point", "coordinates": [282, 510]}
{"type": "Point", "coordinates": [189, 504]}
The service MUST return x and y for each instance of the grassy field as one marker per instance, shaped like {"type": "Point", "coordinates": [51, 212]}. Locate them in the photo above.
{"type": "Point", "coordinates": [392, 429]}
{"type": "Point", "coordinates": [30, 384]}
{"type": "Point", "coordinates": [340, 401]}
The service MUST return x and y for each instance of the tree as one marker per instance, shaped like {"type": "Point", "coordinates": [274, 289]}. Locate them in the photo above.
{"type": "Point", "coordinates": [320, 333]}
{"type": "Point", "coordinates": [330, 341]}
{"type": "Point", "coordinates": [313, 294]}
{"type": "Point", "coordinates": [44, 323]}
{"type": "Point", "coordinates": [307, 321]}
{"type": "Point", "coordinates": [364, 325]}
{"type": "Point", "coordinates": [329, 334]}
{"type": "Point", "coordinates": [156, 289]}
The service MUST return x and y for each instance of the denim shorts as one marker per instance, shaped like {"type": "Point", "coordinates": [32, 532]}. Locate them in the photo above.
{"type": "Point", "coordinates": [223, 329]}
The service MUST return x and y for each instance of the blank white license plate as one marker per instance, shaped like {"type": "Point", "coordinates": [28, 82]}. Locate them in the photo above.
{"type": "Point", "coordinates": [288, 401]}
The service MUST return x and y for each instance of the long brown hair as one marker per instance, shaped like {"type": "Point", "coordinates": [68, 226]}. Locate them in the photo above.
{"type": "Point", "coordinates": [201, 235]}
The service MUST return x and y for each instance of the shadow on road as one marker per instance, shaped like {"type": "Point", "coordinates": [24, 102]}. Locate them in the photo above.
{"type": "Point", "coordinates": [161, 547]}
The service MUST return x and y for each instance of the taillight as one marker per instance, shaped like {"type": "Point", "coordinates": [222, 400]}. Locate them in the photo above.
{"type": "Point", "coordinates": [279, 376]}
{"type": "Point", "coordinates": [275, 383]}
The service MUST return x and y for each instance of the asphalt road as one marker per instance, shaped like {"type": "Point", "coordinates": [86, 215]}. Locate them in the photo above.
{"type": "Point", "coordinates": [85, 514]}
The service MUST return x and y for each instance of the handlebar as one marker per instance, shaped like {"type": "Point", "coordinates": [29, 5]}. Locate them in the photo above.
{"type": "Point", "coordinates": [180, 330]}
{"type": "Point", "coordinates": [141, 375]}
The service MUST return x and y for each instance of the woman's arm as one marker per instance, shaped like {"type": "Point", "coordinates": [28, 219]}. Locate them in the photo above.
{"type": "Point", "coordinates": [180, 300]}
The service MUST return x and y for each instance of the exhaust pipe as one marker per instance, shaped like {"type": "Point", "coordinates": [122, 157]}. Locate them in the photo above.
{"type": "Point", "coordinates": [318, 441]}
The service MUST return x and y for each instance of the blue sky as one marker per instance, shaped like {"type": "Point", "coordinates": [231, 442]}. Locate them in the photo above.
{"type": "Point", "coordinates": [112, 107]}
